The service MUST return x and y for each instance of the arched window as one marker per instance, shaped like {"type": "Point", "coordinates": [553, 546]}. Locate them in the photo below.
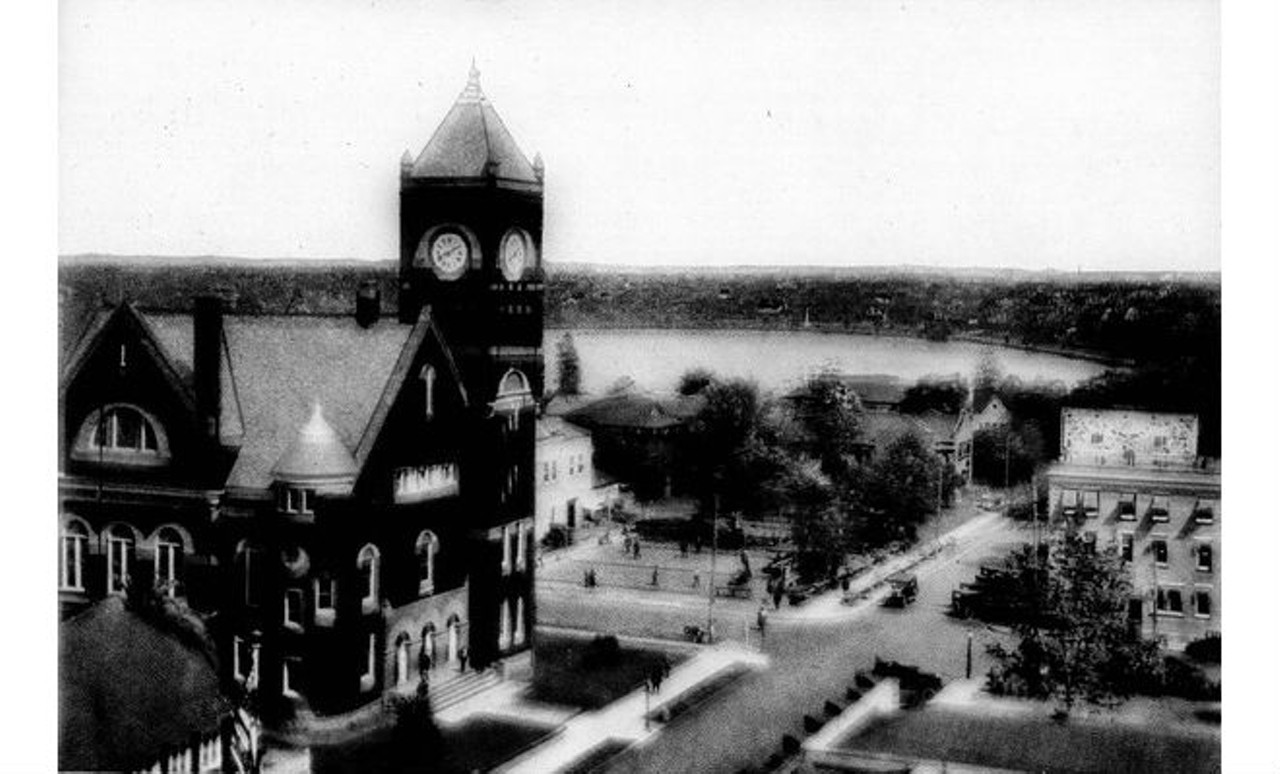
{"type": "Point", "coordinates": [426, 549]}
{"type": "Point", "coordinates": [402, 658]}
{"type": "Point", "coordinates": [168, 560]}
{"type": "Point", "coordinates": [367, 677]}
{"type": "Point", "coordinates": [249, 566]}
{"type": "Point", "coordinates": [120, 547]}
{"type": "Point", "coordinates": [428, 377]}
{"type": "Point", "coordinates": [519, 624]}
{"type": "Point", "coordinates": [122, 433]}
{"type": "Point", "coordinates": [427, 654]}
{"type": "Point", "coordinates": [75, 544]}
{"type": "Point", "coordinates": [452, 633]}
{"type": "Point", "coordinates": [504, 625]}
{"type": "Point", "coordinates": [368, 564]}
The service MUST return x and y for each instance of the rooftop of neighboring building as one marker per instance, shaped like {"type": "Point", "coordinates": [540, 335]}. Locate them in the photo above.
{"type": "Point", "coordinates": [553, 428]}
{"type": "Point", "coordinates": [131, 690]}
{"type": "Point", "coordinates": [636, 410]}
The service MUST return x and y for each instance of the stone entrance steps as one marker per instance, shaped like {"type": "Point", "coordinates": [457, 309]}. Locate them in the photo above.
{"type": "Point", "coordinates": [459, 688]}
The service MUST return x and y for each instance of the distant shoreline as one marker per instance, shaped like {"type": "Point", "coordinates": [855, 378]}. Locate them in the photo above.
{"type": "Point", "coordinates": [750, 326]}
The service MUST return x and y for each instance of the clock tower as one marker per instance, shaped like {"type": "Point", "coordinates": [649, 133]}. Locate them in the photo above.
{"type": "Point", "coordinates": [471, 254]}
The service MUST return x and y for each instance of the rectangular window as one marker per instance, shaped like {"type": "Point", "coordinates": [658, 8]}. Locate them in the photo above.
{"type": "Point", "coordinates": [1203, 514]}
{"type": "Point", "coordinates": [1160, 442]}
{"type": "Point", "coordinates": [326, 595]}
{"type": "Point", "coordinates": [370, 663]}
{"type": "Point", "coordinates": [1126, 546]}
{"type": "Point", "coordinates": [289, 677]}
{"type": "Point", "coordinates": [1204, 557]}
{"type": "Point", "coordinates": [73, 549]}
{"type": "Point", "coordinates": [1127, 509]}
{"type": "Point", "coordinates": [1090, 539]}
{"type": "Point", "coordinates": [293, 607]}
{"type": "Point", "coordinates": [1070, 503]}
{"type": "Point", "coordinates": [520, 546]}
{"type": "Point", "coordinates": [1159, 508]}
{"type": "Point", "coordinates": [1095, 439]}
{"type": "Point", "coordinates": [119, 551]}
{"type": "Point", "coordinates": [1204, 604]}
{"type": "Point", "coordinates": [506, 550]}
{"type": "Point", "coordinates": [1160, 549]}
{"type": "Point", "coordinates": [1089, 504]}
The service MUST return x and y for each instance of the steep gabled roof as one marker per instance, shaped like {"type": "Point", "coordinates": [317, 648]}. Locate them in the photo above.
{"type": "Point", "coordinates": [282, 365]}
{"type": "Point", "coordinates": [130, 692]}
{"type": "Point", "coordinates": [471, 138]}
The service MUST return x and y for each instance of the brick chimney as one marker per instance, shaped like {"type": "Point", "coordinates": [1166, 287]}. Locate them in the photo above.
{"type": "Point", "coordinates": [207, 362]}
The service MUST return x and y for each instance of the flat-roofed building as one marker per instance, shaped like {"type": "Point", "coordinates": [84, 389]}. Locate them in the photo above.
{"type": "Point", "coordinates": [1133, 479]}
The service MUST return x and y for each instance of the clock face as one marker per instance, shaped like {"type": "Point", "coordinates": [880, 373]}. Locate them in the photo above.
{"type": "Point", "coordinates": [449, 254]}
{"type": "Point", "coordinates": [514, 257]}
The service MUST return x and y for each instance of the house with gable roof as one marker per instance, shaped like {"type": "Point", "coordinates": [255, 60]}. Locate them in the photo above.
{"type": "Point", "coordinates": [347, 502]}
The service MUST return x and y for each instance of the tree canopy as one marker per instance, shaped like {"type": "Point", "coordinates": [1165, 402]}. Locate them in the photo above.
{"type": "Point", "coordinates": [570, 382]}
{"type": "Point", "coordinates": [1081, 645]}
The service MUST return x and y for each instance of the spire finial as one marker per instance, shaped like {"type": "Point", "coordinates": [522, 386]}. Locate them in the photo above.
{"type": "Point", "coordinates": [472, 92]}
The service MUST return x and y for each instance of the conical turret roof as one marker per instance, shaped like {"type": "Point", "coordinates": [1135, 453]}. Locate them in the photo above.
{"type": "Point", "coordinates": [472, 141]}
{"type": "Point", "coordinates": [317, 455]}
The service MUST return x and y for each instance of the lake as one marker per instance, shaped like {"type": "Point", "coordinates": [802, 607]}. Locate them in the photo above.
{"type": "Point", "coordinates": [780, 360]}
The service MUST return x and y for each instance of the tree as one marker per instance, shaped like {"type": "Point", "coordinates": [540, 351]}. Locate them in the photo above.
{"type": "Point", "coordinates": [933, 393]}
{"type": "Point", "coordinates": [987, 375]}
{"type": "Point", "coordinates": [694, 381]}
{"type": "Point", "coordinates": [899, 490]}
{"type": "Point", "coordinates": [724, 443]}
{"type": "Point", "coordinates": [1022, 445]}
{"type": "Point", "coordinates": [828, 412]}
{"type": "Point", "coordinates": [570, 368]}
{"type": "Point", "coordinates": [1080, 644]}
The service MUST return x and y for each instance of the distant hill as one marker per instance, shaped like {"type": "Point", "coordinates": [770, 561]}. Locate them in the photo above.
{"type": "Point", "coordinates": [1121, 315]}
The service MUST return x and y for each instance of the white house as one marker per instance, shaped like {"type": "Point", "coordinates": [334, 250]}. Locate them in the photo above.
{"type": "Point", "coordinates": [566, 482]}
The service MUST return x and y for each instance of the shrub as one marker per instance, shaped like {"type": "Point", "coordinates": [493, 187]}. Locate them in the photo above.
{"type": "Point", "coordinates": [1206, 650]}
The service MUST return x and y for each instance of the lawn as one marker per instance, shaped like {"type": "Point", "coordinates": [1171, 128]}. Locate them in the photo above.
{"type": "Point", "coordinates": [479, 744]}
{"type": "Point", "coordinates": [580, 672]}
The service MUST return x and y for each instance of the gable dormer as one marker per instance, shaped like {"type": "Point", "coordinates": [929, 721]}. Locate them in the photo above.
{"type": "Point", "coordinates": [128, 409]}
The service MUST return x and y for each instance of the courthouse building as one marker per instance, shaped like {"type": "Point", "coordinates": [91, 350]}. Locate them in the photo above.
{"type": "Point", "coordinates": [1133, 479]}
{"type": "Point", "coordinates": [347, 501]}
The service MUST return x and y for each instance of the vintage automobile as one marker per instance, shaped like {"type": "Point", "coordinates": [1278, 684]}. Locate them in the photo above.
{"type": "Point", "coordinates": [902, 589]}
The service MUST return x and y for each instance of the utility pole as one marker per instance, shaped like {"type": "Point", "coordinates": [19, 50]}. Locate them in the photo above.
{"type": "Point", "coordinates": [1006, 461]}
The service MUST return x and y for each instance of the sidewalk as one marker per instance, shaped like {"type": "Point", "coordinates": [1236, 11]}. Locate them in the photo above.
{"type": "Point", "coordinates": [624, 720]}
{"type": "Point", "coordinates": [830, 605]}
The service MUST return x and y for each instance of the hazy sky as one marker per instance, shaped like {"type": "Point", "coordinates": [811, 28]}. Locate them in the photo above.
{"type": "Point", "coordinates": [1028, 134]}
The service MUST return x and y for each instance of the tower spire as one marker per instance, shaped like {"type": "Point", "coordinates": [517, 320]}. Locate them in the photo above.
{"type": "Point", "coordinates": [472, 92]}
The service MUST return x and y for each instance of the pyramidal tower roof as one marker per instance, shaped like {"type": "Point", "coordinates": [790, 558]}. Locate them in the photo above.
{"type": "Point", "coordinates": [317, 456]}
{"type": "Point", "coordinates": [472, 141]}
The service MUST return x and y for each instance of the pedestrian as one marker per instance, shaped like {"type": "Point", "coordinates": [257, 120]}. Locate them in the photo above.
{"type": "Point", "coordinates": [591, 577]}
{"type": "Point", "coordinates": [635, 548]}
{"type": "Point", "coordinates": [684, 548]}
{"type": "Point", "coordinates": [761, 614]}
{"type": "Point", "coordinates": [586, 579]}
{"type": "Point", "coordinates": [462, 658]}
{"type": "Point", "coordinates": [777, 595]}
{"type": "Point", "coordinates": [697, 581]}
{"type": "Point", "coordinates": [626, 543]}
{"type": "Point", "coordinates": [654, 580]}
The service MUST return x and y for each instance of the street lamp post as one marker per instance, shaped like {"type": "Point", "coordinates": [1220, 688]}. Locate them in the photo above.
{"type": "Point", "coordinates": [711, 584]}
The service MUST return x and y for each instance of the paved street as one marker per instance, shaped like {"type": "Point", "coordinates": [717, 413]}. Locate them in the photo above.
{"type": "Point", "coordinates": [812, 660]}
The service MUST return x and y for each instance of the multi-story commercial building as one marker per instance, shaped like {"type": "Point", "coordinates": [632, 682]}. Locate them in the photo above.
{"type": "Point", "coordinates": [1133, 479]}
{"type": "Point", "coordinates": [349, 501]}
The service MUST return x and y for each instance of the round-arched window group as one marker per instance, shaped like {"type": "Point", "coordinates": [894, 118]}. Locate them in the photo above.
{"type": "Point", "coordinates": [122, 545]}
